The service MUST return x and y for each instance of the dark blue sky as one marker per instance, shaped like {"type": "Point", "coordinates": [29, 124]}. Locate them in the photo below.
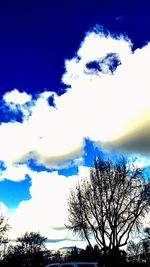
{"type": "Point", "coordinates": [36, 36]}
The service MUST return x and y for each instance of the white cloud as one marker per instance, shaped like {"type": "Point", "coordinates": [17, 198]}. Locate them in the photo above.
{"type": "Point", "coordinates": [46, 211]}
{"type": "Point", "coordinates": [15, 172]}
{"type": "Point", "coordinates": [44, 135]}
{"type": "Point", "coordinates": [16, 97]}
{"type": "Point", "coordinates": [108, 109]}
{"type": "Point", "coordinates": [113, 105]}
{"type": "Point", "coordinates": [102, 106]}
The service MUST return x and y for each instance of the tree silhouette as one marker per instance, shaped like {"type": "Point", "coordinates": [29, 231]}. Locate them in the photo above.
{"type": "Point", "coordinates": [32, 242]}
{"type": "Point", "coordinates": [139, 252]}
{"type": "Point", "coordinates": [30, 251]}
{"type": "Point", "coordinates": [146, 245]}
{"type": "Point", "coordinates": [110, 204]}
{"type": "Point", "coordinates": [134, 251]}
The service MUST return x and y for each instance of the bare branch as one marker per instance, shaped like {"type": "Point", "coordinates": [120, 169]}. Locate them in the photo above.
{"type": "Point", "coordinates": [110, 204]}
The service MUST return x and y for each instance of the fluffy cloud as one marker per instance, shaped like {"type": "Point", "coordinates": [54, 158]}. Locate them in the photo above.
{"type": "Point", "coordinates": [44, 134]}
{"type": "Point", "coordinates": [108, 102]}
{"type": "Point", "coordinates": [46, 211]}
{"type": "Point", "coordinates": [116, 106]}
{"type": "Point", "coordinates": [15, 172]}
{"type": "Point", "coordinates": [16, 97]}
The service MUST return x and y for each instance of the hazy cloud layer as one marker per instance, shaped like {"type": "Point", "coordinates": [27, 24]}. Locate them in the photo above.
{"type": "Point", "coordinates": [137, 139]}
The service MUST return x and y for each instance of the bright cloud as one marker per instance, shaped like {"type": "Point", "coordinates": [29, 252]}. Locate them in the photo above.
{"type": "Point", "coordinates": [44, 135]}
{"type": "Point", "coordinates": [15, 172]}
{"type": "Point", "coordinates": [108, 102]}
{"type": "Point", "coordinates": [16, 97]}
{"type": "Point", "coordinates": [46, 211]}
{"type": "Point", "coordinates": [113, 104]}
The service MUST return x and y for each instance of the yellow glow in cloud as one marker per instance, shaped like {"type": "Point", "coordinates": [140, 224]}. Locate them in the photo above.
{"type": "Point", "coordinates": [112, 109]}
{"type": "Point", "coordinates": [114, 104]}
{"type": "Point", "coordinates": [102, 106]}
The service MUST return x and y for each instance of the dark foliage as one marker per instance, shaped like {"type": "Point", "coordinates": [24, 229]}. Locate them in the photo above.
{"type": "Point", "coordinates": [29, 252]}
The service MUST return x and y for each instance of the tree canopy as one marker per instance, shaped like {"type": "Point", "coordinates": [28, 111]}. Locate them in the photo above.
{"type": "Point", "coordinates": [110, 204]}
{"type": "Point", "coordinates": [32, 242]}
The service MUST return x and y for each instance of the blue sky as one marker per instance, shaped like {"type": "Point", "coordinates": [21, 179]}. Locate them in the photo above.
{"type": "Point", "coordinates": [74, 83]}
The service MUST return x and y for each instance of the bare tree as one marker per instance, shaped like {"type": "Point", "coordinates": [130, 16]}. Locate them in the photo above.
{"type": "Point", "coordinates": [32, 242]}
{"type": "Point", "coordinates": [140, 251]}
{"type": "Point", "coordinates": [28, 252]}
{"type": "Point", "coordinates": [134, 250]}
{"type": "Point", "coordinates": [110, 204]}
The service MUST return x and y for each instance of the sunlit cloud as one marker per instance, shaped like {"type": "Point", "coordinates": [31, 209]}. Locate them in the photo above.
{"type": "Point", "coordinates": [47, 210]}
{"type": "Point", "coordinates": [16, 97]}
{"type": "Point", "coordinates": [15, 172]}
{"type": "Point", "coordinates": [107, 101]}
{"type": "Point", "coordinates": [118, 103]}
{"type": "Point", "coordinates": [43, 135]}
